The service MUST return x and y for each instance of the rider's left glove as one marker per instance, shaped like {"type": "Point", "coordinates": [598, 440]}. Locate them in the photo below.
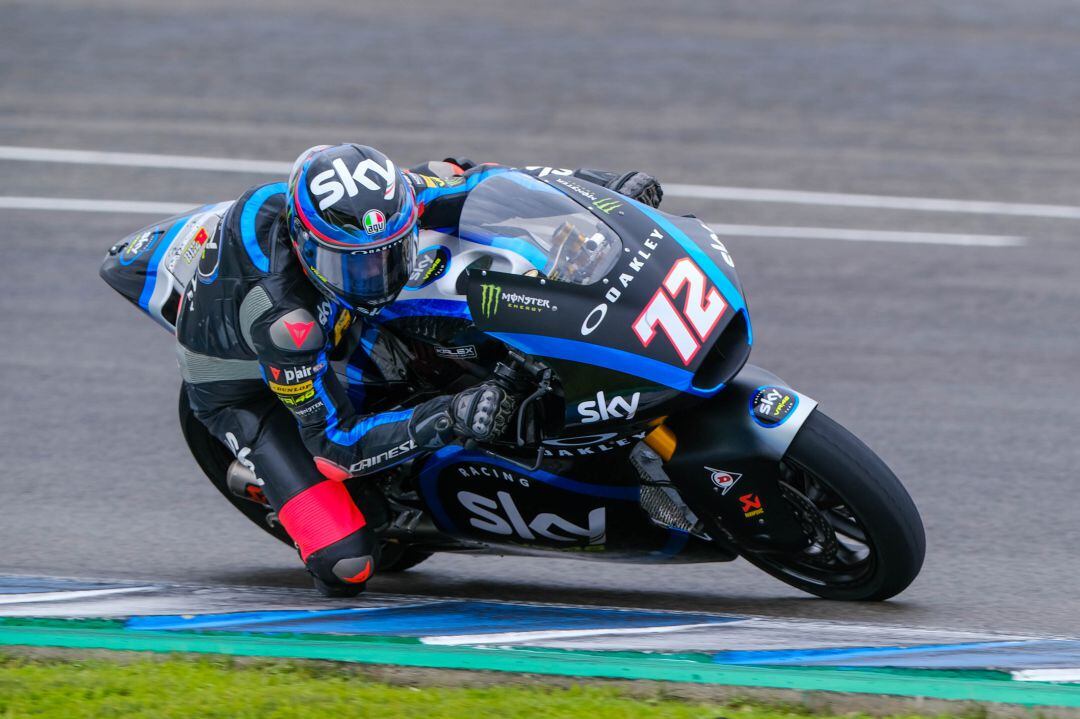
{"type": "Point", "coordinates": [481, 413]}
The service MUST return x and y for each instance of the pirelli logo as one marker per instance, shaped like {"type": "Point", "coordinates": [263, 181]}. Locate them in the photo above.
{"type": "Point", "coordinates": [290, 389]}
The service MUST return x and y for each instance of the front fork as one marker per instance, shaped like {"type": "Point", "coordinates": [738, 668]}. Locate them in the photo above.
{"type": "Point", "coordinates": [724, 458]}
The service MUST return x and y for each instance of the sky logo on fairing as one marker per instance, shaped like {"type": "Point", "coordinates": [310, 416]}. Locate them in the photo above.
{"type": "Point", "coordinates": [602, 409]}
{"type": "Point", "coordinates": [502, 516]}
{"type": "Point", "coordinates": [325, 184]}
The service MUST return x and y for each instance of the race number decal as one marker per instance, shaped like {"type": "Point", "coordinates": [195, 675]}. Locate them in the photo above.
{"type": "Point", "coordinates": [702, 309]}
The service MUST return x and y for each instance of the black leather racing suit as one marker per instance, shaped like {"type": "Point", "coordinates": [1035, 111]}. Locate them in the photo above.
{"type": "Point", "coordinates": [255, 343]}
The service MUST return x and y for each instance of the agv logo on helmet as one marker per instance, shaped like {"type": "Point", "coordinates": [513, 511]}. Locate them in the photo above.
{"type": "Point", "coordinates": [336, 183]}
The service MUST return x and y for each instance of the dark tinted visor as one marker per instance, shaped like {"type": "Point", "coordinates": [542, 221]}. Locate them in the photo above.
{"type": "Point", "coordinates": [364, 277]}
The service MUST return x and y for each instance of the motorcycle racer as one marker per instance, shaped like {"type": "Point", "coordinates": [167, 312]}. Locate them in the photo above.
{"type": "Point", "coordinates": [294, 265]}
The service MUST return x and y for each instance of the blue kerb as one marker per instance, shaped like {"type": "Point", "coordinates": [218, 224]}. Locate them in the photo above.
{"type": "Point", "coordinates": [426, 619]}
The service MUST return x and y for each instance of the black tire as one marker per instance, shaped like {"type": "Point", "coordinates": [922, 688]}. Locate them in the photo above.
{"type": "Point", "coordinates": [869, 512]}
{"type": "Point", "coordinates": [214, 458]}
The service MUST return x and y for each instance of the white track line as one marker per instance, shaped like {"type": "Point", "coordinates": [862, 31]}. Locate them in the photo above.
{"type": "Point", "coordinates": [1047, 675]}
{"type": "Point", "coordinates": [706, 192]}
{"type": "Point", "coordinates": [884, 202]}
{"type": "Point", "coordinates": [66, 596]}
{"type": "Point", "coordinates": [514, 637]}
{"type": "Point", "coordinates": [850, 235]}
{"type": "Point", "coordinates": [132, 159]}
{"type": "Point", "coordinates": [809, 233]}
{"type": "Point", "coordinates": [69, 204]}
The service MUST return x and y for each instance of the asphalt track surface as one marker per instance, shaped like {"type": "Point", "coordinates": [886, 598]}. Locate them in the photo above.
{"type": "Point", "coordinates": [958, 364]}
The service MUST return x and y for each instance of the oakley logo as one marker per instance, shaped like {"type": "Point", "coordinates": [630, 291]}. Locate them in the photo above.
{"type": "Point", "coordinates": [336, 183]}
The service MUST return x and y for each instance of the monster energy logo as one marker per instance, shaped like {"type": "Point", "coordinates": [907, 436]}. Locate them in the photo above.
{"type": "Point", "coordinates": [489, 300]}
{"type": "Point", "coordinates": [607, 205]}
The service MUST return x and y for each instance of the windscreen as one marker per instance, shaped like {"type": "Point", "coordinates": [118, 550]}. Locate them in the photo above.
{"type": "Point", "coordinates": [561, 239]}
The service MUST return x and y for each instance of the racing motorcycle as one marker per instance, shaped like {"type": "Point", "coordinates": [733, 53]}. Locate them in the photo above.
{"type": "Point", "coordinates": [644, 437]}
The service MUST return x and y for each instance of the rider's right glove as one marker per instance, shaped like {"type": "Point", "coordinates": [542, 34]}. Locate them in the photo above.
{"type": "Point", "coordinates": [481, 413]}
{"type": "Point", "coordinates": [640, 186]}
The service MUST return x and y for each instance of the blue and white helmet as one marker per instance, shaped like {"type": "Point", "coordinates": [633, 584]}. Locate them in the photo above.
{"type": "Point", "coordinates": [353, 221]}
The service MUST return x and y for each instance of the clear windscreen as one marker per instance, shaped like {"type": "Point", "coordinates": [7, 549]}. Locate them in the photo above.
{"type": "Point", "coordinates": [563, 241]}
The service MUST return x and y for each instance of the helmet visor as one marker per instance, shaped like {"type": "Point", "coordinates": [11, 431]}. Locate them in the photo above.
{"type": "Point", "coordinates": [363, 278]}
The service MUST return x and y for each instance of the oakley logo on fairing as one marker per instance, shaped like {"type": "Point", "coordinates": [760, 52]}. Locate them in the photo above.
{"type": "Point", "coordinates": [502, 516]}
{"type": "Point", "coordinates": [603, 409]}
{"type": "Point", "coordinates": [325, 183]}
{"type": "Point", "coordinates": [626, 275]}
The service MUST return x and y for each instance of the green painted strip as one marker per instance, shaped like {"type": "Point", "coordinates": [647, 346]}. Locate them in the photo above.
{"type": "Point", "coordinates": [97, 634]}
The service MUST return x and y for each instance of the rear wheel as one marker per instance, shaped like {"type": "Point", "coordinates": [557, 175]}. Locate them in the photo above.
{"type": "Point", "coordinates": [214, 458]}
{"type": "Point", "coordinates": [398, 558]}
{"type": "Point", "coordinates": [866, 537]}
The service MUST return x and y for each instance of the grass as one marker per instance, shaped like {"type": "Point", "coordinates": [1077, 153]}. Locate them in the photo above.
{"type": "Point", "coordinates": [222, 687]}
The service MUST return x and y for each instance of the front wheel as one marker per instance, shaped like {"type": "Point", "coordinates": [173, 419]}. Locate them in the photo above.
{"type": "Point", "coordinates": [866, 537]}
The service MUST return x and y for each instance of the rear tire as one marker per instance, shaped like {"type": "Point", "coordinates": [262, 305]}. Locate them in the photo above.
{"type": "Point", "coordinates": [397, 558]}
{"type": "Point", "coordinates": [838, 486]}
{"type": "Point", "coordinates": [214, 458]}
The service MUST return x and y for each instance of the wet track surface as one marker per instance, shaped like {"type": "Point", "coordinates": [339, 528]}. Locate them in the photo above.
{"type": "Point", "coordinates": [958, 364]}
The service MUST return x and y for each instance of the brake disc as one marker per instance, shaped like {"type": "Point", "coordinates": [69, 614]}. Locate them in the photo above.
{"type": "Point", "coordinates": [814, 525]}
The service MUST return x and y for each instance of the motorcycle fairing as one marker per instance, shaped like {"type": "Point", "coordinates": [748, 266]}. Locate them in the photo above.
{"type": "Point", "coordinates": [728, 435]}
{"type": "Point", "coordinates": [626, 321]}
{"type": "Point", "coordinates": [475, 495]}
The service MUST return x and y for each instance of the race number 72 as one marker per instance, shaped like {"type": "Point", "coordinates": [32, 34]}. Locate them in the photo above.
{"type": "Point", "coordinates": [702, 308]}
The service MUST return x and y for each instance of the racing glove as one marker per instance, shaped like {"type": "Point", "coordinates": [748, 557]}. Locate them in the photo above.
{"type": "Point", "coordinates": [481, 413]}
{"type": "Point", "coordinates": [636, 185]}
{"type": "Point", "coordinates": [463, 162]}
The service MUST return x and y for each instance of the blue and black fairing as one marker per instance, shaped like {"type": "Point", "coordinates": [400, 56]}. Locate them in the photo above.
{"type": "Point", "coordinates": [585, 330]}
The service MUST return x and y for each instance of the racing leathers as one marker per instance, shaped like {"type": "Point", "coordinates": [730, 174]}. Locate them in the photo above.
{"type": "Point", "coordinates": [255, 342]}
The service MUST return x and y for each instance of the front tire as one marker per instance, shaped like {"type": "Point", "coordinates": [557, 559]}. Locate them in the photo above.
{"type": "Point", "coordinates": [868, 539]}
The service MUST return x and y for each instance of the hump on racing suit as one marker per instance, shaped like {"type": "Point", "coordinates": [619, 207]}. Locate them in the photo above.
{"type": "Point", "coordinates": [152, 267]}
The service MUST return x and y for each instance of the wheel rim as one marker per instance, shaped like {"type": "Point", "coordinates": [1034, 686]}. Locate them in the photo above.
{"type": "Point", "coordinates": [841, 552]}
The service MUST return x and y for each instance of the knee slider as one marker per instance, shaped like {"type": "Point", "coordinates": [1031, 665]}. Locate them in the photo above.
{"type": "Point", "coordinates": [350, 561]}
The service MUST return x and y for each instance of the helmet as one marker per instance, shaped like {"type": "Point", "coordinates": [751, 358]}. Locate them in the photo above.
{"type": "Point", "coordinates": [352, 218]}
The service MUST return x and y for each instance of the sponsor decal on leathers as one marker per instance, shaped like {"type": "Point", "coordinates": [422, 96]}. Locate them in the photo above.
{"type": "Point", "coordinates": [394, 452]}
{"type": "Point", "coordinates": [296, 331]}
{"type": "Point", "coordinates": [290, 389]}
